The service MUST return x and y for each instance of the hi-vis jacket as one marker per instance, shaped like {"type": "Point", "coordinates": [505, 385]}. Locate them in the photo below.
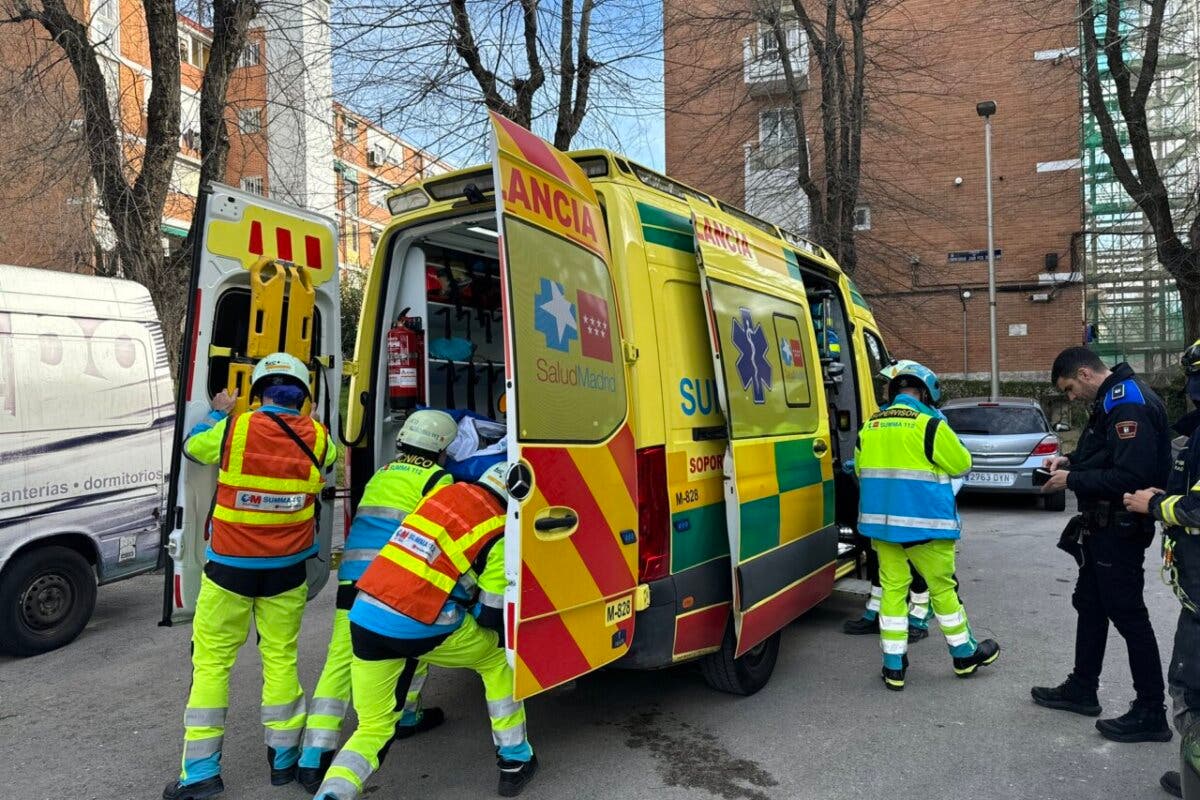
{"type": "Point", "coordinates": [1179, 508]}
{"type": "Point", "coordinates": [446, 539]}
{"type": "Point", "coordinates": [905, 459]}
{"type": "Point", "coordinates": [393, 492]}
{"type": "Point", "coordinates": [267, 485]}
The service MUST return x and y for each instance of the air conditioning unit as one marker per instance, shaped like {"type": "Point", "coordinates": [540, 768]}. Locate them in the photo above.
{"type": "Point", "coordinates": [374, 158]}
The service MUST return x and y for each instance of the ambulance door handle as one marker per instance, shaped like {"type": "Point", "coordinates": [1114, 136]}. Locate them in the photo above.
{"type": "Point", "coordinates": [556, 522]}
{"type": "Point", "coordinates": [820, 448]}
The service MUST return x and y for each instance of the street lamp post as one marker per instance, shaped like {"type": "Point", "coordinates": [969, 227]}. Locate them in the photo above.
{"type": "Point", "coordinates": [964, 297]}
{"type": "Point", "coordinates": [986, 109]}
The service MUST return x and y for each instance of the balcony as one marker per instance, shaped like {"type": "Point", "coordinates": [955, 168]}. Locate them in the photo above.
{"type": "Point", "coordinates": [772, 191]}
{"type": "Point", "coordinates": [762, 70]}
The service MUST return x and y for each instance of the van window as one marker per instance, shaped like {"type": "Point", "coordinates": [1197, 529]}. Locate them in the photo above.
{"type": "Point", "coordinates": [569, 368]}
{"type": "Point", "coordinates": [96, 373]}
{"type": "Point", "coordinates": [230, 329]}
{"type": "Point", "coordinates": [877, 356]}
{"type": "Point", "coordinates": [765, 352]}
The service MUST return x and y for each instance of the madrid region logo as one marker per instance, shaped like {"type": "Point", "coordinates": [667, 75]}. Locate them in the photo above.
{"type": "Point", "coordinates": [752, 365]}
{"type": "Point", "coordinates": [560, 321]}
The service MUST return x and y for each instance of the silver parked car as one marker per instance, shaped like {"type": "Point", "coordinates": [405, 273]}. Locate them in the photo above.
{"type": "Point", "coordinates": [1008, 439]}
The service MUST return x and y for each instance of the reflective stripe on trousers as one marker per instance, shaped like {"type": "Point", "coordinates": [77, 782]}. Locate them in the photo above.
{"type": "Point", "coordinates": [220, 627]}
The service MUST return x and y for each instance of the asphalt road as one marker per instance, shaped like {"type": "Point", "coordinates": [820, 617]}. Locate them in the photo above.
{"type": "Point", "coordinates": [101, 718]}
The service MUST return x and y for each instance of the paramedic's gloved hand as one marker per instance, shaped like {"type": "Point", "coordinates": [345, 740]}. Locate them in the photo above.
{"type": "Point", "coordinates": [224, 401]}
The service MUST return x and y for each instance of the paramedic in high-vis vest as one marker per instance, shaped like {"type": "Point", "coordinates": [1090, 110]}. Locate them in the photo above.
{"type": "Point", "coordinates": [906, 458]}
{"type": "Point", "coordinates": [391, 494]}
{"type": "Point", "coordinates": [262, 529]}
{"type": "Point", "coordinates": [434, 593]}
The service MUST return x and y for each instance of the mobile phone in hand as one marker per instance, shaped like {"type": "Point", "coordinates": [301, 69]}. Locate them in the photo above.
{"type": "Point", "coordinates": [1040, 476]}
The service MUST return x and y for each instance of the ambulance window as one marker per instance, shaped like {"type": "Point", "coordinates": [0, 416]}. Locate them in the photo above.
{"type": "Point", "coordinates": [769, 362]}
{"type": "Point", "coordinates": [877, 355]}
{"type": "Point", "coordinates": [231, 329]}
{"type": "Point", "coordinates": [569, 370]}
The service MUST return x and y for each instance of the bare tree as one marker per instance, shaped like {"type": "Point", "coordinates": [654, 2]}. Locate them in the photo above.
{"type": "Point", "coordinates": [562, 68]}
{"type": "Point", "coordinates": [1143, 179]}
{"type": "Point", "coordinates": [133, 178]}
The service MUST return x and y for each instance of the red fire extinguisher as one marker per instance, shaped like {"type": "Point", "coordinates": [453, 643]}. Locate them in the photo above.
{"type": "Point", "coordinates": [406, 362]}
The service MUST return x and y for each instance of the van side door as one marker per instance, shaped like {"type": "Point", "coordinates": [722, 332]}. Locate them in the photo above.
{"type": "Point", "coordinates": [779, 497]}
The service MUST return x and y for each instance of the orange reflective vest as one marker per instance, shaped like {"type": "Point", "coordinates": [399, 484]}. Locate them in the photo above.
{"type": "Point", "coordinates": [267, 486]}
{"type": "Point", "coordinates": [437, 543]}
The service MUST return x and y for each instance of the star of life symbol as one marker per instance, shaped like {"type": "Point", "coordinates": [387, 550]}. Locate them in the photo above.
{"type": "Point", "coordinates": [752, 365]}
{"type": "Point", "coordinates": [554, 316]}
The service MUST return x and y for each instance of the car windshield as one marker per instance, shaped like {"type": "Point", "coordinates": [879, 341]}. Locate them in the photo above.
{"type": "Point", "coordinates": [995, 420]}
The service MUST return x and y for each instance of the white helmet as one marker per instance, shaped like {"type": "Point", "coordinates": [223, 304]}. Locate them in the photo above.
{"type": "Point", "coordinates": [279, 368]}
{"type": "Point", "coordinates": [495, 478]}
{"type": "Point", "coordinates": [428, 430]}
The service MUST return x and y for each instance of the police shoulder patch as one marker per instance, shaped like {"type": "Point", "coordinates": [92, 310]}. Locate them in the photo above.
{"type": "Point", "coordinates": [1127, 430]}
{"type": "Point", "coordinates": [1127, 391]}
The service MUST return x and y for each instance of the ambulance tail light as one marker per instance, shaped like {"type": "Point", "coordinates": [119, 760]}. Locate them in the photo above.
{"type": "Point", "coordinates": [1046, 447]}
{"type": "Point", "coordinates": [654, 515]}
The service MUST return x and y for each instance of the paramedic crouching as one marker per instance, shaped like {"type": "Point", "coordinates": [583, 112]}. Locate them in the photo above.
{"type": "Point", "coordinates": [270, 464]}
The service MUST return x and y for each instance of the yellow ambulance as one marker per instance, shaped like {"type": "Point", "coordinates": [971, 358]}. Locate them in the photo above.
{"type": "Point", "coordinates": [676, 381]}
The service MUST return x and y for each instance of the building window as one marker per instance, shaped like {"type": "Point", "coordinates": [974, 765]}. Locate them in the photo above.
{"type": "Point", "coordinates": [193, 51]}
{"type": "Point", "coordinates": [106, 22]}
{"type": "Point", "coordinates": [777, 128]}
{"type": "Point", "coordinates": [349, 129]}
{"type": "Point", "coordinates": [862, 218]}
{"type": "Point", "coordinates": [350, 194]}
{"type": "Point", "coordinates": [250, 55]}
{"type": "Point", "coordinates": [250, 120]}
{"type": "Point", "coordinates": [254, 185]}
{"type": "Point", "coordinates": [378, 193]}
{"type": "Point", "coordinates": [185, 48]}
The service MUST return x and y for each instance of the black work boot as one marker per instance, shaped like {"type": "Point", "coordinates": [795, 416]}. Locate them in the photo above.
{"type": "Point", "coordinates": [1171, 783]}
{"type": "Point", "coordinates": [200, 790]}
{"type": "Point", "coordinates": [861, 626]}
{"type": "Point", "coordinates": [894, 678]}
{"type": "Point", "coordinates": [514, 775]}
{"type": "Point", "coordinates": [312, 777]}
{"type": "Point", "coordinates": [1143, 722]}
{"type": "Point", "coordinates": [1070, 695]}
{"type": "Point", "coordinates": [280, 776]}
{"type": "Point", "coordinates": [916, 633]}
{"type": "Point", "coordinates": [986, 652]}
{"type": "Point", "coordinates": [430, 718]}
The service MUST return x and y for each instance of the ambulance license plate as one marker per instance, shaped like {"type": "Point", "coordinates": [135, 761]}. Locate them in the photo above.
{"type": "Point", "coordinates": [618, 611]}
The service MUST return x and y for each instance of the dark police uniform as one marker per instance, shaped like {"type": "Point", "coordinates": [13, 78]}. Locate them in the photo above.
{"type": "Point", "coordinates": [1125, 447]}
{"type": "Point", "coordinates": [1179, 510]}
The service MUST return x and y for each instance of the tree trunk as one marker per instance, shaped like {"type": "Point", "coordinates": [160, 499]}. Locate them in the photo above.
{"type": "Point", "coordinates": [1184, 265]}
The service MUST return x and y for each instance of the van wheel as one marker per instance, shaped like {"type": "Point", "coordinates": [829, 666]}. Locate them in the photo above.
{"type": "Point", "coordinates": [46, 598]}
{"type": "Point", "coordinates": [745, 675]}
{"type": "Point", "coordinates": [1056, 501]}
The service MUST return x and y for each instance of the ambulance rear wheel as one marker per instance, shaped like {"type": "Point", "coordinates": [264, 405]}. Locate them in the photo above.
{"type": "Point", "coordinates": [745, 675]}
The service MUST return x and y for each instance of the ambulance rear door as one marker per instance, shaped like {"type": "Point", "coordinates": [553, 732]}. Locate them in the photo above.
{"type": "Point", "coordinates": [571, 541]}
{"type": "Point", "coordinates": [264, 279]}
{"type": "Point", "coordinates": [779, 498]}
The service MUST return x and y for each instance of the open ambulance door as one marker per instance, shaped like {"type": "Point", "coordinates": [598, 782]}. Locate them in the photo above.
{"type": "Point", "coordinates": [571, 541]}
{"type": "Point", "coordinates": [779, 498]}
{"type": "Point", "coordinates": [264, 279]}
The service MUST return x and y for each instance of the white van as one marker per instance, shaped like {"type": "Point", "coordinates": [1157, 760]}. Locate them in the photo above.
{"type": "Point", "coordinates": [86, 410]}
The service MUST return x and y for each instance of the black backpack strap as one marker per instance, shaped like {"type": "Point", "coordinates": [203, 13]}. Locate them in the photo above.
{"type": "Point", "coordinates": [930, 436]}
{"type": "Point", "coordinates": [482, 556]}
{"type": "Point", "coordinates": [437, 475]}
{"type": "Point", "coordinates": [295, 437]}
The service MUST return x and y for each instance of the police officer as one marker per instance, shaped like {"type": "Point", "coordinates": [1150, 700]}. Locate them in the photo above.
{"type": "Point", "coordinates": [393, 492]}
{"type": "Point", "coordinates": [271, 464]}
{"type": "Point", "coordinates": [905, 459]}
{"type": "Point", "coordinates": [1178, 508]}
{"type": "Point", "coordinates": [434, 593]}
{"type": "Point", "coordinates": [1123, 448]}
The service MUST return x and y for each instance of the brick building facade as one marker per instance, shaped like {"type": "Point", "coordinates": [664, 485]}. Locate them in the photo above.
{"type": "Point", "coordinates": [288, 138]}
{"type": "Point", "coordinates": [923, 202]}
